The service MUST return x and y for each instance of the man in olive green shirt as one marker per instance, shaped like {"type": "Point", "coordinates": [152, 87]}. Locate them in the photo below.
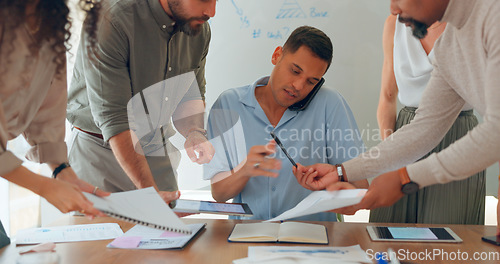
{"type": "Point", "coordinates": [140, 44]}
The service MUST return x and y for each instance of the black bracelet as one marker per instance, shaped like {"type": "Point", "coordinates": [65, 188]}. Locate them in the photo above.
{"type": "Point", "coordinates": [61, 167]}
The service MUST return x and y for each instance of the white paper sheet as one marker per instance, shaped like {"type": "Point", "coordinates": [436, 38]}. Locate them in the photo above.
{"type": "Point", "coordinates": [304, 255]}
{"type": "Point", "coordinates": [143, 206]}
{"type": "Point", "coordinates": [321, 201]}
{"type": "Point", "coordinates": [71, 233]}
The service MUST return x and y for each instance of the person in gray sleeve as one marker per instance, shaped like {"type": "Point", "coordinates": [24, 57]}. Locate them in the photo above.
{"type": "Point", "coordinates": [141, 45]}
{"type": "Point", "coordinates": [466, 67]}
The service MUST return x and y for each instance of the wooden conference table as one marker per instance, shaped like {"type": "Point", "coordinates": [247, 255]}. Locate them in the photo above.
{"type": "Point", "coordinates": [211, 245]}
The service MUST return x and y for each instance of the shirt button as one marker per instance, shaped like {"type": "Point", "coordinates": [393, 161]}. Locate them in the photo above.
{"type": "Point", "coordinates": [164, 26]}
{"type": "Point", "coordinates": [169, 68]}
{"type": "Point", "coordinates": [166, 99]}
{"type": "Point", "coordinates": [274, 188]}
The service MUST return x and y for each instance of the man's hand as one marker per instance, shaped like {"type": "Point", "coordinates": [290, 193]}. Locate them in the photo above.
{"type": "Point", "coordinates": [316, 177]}
{"type": "Point", "coordinates": [384, 190]}
{"type": "Point", "coordinates": [197, 142]}
{"type": "Point", "coordinates": [259, 164]}
{"type": "Point", "coordinates": [169, 196]}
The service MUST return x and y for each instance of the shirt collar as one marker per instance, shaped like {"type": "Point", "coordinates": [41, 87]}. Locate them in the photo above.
{"type": "Point", "coordinates": [165, 22]}
{"type": "Point", "coordinates": [458, 12]}
{"type": "Point", "coordinates": [249, 98]}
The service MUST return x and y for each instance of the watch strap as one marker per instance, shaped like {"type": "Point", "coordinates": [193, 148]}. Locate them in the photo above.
{"type": "Point", "coordinates": [59, 168]}
{"type": "Point", "coordinates": [341, 172]}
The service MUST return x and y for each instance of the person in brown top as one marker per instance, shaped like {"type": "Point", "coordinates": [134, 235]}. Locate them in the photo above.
{"type": "Point", "coordinates": [33, 100]}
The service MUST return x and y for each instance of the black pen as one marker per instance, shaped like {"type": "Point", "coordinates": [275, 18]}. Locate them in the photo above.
{"type": "Point", "coordinates": [283, 149]}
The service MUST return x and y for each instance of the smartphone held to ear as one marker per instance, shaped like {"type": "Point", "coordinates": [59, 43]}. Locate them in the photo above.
{"type": "Point", "coordinates": [299, 106]}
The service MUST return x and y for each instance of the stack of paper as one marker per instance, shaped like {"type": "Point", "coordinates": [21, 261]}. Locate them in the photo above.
{"type": "Point", "coordinates": [304, 255]}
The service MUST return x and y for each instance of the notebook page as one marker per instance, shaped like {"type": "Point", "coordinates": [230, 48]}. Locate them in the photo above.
{"type": "Point", "coordinates": [254, 231]}
{"type": "Point", "coordinates": [295, 231]}
{"type": "Point", "coordinates": [143, 205]}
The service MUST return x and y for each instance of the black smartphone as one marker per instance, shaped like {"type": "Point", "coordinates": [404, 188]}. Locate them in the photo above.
{"type": "Point", "coordinates": [299, 106]}
{"type": "Point", "coordinates": [495, 240]}
{"type": "Point", "coordinates": [278, 141]}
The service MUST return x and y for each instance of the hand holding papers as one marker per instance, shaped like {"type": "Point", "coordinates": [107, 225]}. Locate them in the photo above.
{"type": "Point", "coordinates": [321, 201]}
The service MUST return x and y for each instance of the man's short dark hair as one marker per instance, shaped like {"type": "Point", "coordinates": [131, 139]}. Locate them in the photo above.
{"type": "Point", "coordinates": [316, 40]}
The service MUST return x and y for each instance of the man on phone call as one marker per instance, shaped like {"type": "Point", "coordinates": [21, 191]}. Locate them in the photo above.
{"type": "Point", "coordinates": [314, 125]}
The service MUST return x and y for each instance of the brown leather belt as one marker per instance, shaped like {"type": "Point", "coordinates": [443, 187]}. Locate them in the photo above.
{"type": "Point", "coordinates": [90, 133]}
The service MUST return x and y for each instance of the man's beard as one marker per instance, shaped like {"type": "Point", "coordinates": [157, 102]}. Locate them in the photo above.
{"type": "Point", "coordinates": [182, 21]}
{"type": "Point", "coordinates": [184, 25]}
{"type": "Point", "coordinates": [419, 29]}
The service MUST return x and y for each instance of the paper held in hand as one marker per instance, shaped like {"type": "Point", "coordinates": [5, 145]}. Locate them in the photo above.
{"type": "Point", "coordinates": [321, 201]}
{"type": "Point", "coordinates": [143, 206]}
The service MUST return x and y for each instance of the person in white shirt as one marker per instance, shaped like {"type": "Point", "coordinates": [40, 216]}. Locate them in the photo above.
{"type": "Point", "coordinates": [405, 73]}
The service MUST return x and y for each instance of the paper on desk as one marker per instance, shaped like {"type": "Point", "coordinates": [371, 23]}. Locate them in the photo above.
{"type": "Point", "coordinates": [292, 260]}
{"type": "Point", "coordinates": [143, 237]}
{"type": "Point", "coordinates": [321, 201]}
{"type": "Point", "coordinates": [71, 233]}
{"type": "Point", "coordinates": [303, 255]}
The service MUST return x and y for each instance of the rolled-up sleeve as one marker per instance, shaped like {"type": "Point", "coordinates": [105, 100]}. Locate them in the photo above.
{"type": "Point", "coordinates": [108, 80]}
{"type": "Point", "coordinates": [46, 132]}
{"type": "Point", "coordinates": [225, 132]}
{"type": "Point", "coordinates": [8, 161]}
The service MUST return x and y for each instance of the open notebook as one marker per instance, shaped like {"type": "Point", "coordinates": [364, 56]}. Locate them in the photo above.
{"type": "Point", "coordinates": [144, 207]}
{"type": "Point", "coordinates": [289, 232]}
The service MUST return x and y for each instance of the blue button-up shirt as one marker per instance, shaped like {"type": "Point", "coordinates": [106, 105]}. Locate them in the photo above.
{"type": "Point", "coordinates": [325, 132]}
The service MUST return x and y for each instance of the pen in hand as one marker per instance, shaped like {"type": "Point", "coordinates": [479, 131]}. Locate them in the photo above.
{"type": "Point", "coordinates": [278, 142]}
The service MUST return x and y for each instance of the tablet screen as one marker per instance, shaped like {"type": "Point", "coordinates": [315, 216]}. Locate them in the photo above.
{"type": "Point", "coordinates": [221, 207]}
{"type": "Point", "coordinates": [411, 233]}
{"type": "Point", "coordinates": [196, 206]}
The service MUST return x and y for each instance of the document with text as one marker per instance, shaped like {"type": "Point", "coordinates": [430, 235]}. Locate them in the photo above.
{"type": "Point", "coordinates": [70, 233]}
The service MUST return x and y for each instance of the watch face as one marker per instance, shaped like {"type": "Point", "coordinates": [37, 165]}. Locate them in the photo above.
{"type": "Point", "coordinates": [409, 188]}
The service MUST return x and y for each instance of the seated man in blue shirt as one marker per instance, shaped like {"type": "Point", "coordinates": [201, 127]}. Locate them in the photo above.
{"type": "Point", "coordinates": [242, 118]}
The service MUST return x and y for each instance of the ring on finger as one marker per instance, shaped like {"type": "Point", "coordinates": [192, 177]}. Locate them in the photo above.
{"type": "Point", "coordinates": [256, 165]}
{"type": "Point", "coordinates": [95, 190]}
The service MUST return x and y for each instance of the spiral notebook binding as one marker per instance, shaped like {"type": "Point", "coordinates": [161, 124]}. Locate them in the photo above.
{"type": "Point", "coordinates": [135, 221]}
